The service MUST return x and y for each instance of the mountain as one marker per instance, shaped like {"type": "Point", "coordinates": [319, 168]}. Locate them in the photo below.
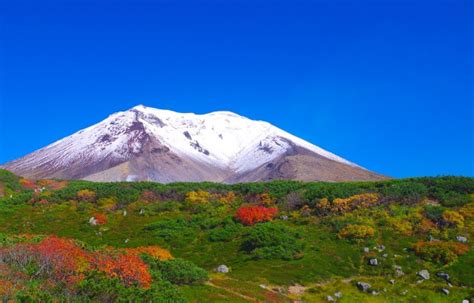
{"type": "Point", "coordinates": [145, 143]}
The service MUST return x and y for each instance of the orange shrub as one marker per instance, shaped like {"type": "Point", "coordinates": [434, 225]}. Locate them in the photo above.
{"type": "Point", "coordinates": [155, 252]}
{"type": "Point", "coordinates": [228, 198]}
{"type": "Point", "coordinates": [27, 183]}
{"type": "Point", "coordinates": [129, 269]}
{"type": "Point", "coordinates": [425, 226]}
{"type": "Point", "coordinates": [438, 251]}
{"type": "Point", "coordinates": [265, 199]}
{"type": "Point", "coordinates": [86, 195]}
{"type": "Point", "coordinates": [148, 196]}
{"type": "Point", "coordinates": [354, 231]}
{"type": "Point", "coordinates": [250, 215]}
{"type": "Point", "coordinates": [100, 218]}
{"type": "Point", "coordinates": [63, 258]}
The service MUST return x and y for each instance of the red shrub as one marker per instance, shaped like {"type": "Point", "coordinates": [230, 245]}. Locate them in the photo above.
{"type": "Point", "coordinates": [62, 259]}
{"type": "Point", "coordinates": [250, 215]}
{"type": "Point", "coordinates": [27, 183]}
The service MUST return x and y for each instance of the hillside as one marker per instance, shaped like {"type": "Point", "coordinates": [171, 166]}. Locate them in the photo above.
{"type": "Point", "coordinates": [281, 241]}
{"type": "Point", "coordinates": [146, 143]}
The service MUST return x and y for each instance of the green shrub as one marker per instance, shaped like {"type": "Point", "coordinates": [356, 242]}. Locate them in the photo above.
{"type": "Point", "coordinates": [97, 288]}
{"type": "Point", "coordinates": [226, 233]}
{"type": "Point", "coordinates": [405, 192]}
{"type": "Point", "coordinates": [434, 212]}
{"type": "Point", "coordinates": [179, 271]}
{"type": "Point", "coordinates": [272, 241]}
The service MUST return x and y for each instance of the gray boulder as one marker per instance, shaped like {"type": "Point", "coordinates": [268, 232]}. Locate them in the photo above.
{"type": "Point", "coordinates": [373, 262]}
{"type": "Point", "coordinates": [330, 299]}
{"type": "Point", "coordinates": [445, 291]}
{"type": "Point", "coordinates": [461, 239]}
{"type": "Point", "coordinates": [443, 275]}
{"type": "Point", "coordinates": [424, 274]}
{"type": "Point", "coordinates": [338, 294]}
{"type": "Point", "coordinates": [222, 269]}
{"type": "Point", "coordinates": [362, 286]}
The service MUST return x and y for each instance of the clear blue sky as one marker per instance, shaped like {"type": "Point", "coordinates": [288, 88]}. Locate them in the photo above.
{"type": "Point", "coordinates": [387, 84]}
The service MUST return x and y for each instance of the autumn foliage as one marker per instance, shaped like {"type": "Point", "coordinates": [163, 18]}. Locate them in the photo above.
{"type": "Point", "coordinates": [129, 269]}
{"type": "Point", "coordinates": [354, 231]}
{"type": "Point", "coordinates": [86, 195]}
{"type": "Point", "coordinates": [344, 205]}
{"type": "Point", "coordinates": [27, 183]}
{"type": "Point", "coordinates": [100, 218]}
{"type": "Point", "coordinates": [439, 251]}
{"type": "Point", "coordinates": [63, 261]}
{"type": "Point", "coordinates": [155, 252]}
{"type": "Point", "coordinates": [250, 215]}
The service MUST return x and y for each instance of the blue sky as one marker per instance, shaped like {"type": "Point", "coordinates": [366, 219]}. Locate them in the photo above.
{"type": "Point", "coordinates": [386, 84]}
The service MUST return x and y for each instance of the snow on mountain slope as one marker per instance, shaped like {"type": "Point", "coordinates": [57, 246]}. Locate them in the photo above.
{"type": "Point", "coordinates": [155, 142]}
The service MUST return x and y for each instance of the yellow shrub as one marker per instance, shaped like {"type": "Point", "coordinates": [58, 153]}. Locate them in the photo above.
{"type": "Point", "coordinates": [353, 231]}
{"type": "Point", "coordinates": [343, 205]}
{"type": "Point", "coordinates": [108, 204]}
{"type": "Point", "coordinates": [198, 197]}
{"type": "Point", "coordinates": [403, 227]}
{"type": "Point", "coordinates": [86, 195]}
{"type": "Point", "coordinates": [453, 218]}
{"type": "Point", "coordinates": [467, 211]}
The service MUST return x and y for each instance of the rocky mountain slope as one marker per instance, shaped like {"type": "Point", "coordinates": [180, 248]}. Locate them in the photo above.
{"type": "Point", "coordinates": [145, 143]}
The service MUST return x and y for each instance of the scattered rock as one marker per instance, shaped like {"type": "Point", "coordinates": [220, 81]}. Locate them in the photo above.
{"type": "Point", "coordinates": [222, 269]}
{"type": "Point", "coordinates": [338, 294]}
{"type": "Point", "coordinates": [124, 213]}
{"type": "Point", "coordinates": [398, 271]}
{"type": "Point", "coordinates": [432, 239]}
{"type": "Point", "coordinates": [363, 286]}
{"type": "Point", "coordinates": [366, 249]}
{"type": "Point", "coordinates": [373, 262]}
{"type": "Point", "coordinates": [126, 240]}
{"type": "Point", "coordinates": [465, 301]}
{"type": "Point", "coordinates": [296, 289]}
{"type": "Point", "coordinates": [445, 291]}
{"type": "Point", "coordinates": [381, 248]}
{"type": "Point", "coordinates": [392, 281]}
{"type": "Point", "coordinates": [263, 286]}
{"type": "Point", "coordinates": [385, 255]}
{"type": "Point", "coordinates": [450, 285]}
{"type": "Point", "coordinates": [330, 299]}
{"type": "Point", "coordinates": [284, 218]}
{"type": "Point", "coordinates": [141, 212]}
{"type": "Point", "coordinates": [443, 275]}
{"type": "Point", "coordinates": [374, 293]}
{"type": "Point", "coordinates": [461, 239]}
{"type": "Point", "coordinates": [404, 292]}
{"type": "Point", "coordinates": [424, 274]}
{"type": "Point", "coordinates": [93, 221]}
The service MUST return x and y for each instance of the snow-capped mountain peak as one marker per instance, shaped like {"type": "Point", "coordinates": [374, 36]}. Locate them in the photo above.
{"type": "Point", "coordinates": [216, 146]}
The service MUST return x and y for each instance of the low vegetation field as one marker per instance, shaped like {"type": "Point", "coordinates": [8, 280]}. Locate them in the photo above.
{"type": "Point", "coordinates": [283, 241]}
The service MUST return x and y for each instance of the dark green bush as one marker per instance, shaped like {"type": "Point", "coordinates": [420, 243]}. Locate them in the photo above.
{"type": "Point", "coordinates": [272, 241]}
{"type": "Point", "coordinates": [97, 288]}
{"type": "Point", "coordinates": [434, 212]}
{"type": "Point", "coordinates": [179, 271]}
{"type": "Point", "coordinates": [405, 192]}
{"type": "Point", "coordinates": [226, 233]}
